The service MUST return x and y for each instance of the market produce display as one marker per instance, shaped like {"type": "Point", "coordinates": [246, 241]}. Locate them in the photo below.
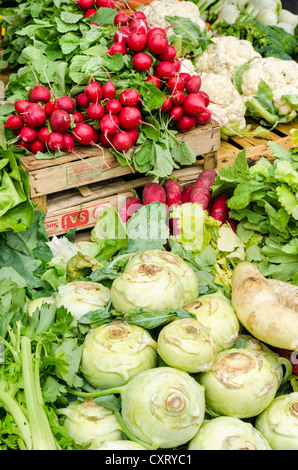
{"type": "Point", "coordinates": [175, 325]}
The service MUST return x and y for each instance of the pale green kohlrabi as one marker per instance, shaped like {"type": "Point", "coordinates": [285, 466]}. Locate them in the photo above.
{"type": "Point", "coordinates": [115, 352]}
{"type": "Point", "coordinates": [81, 297]}
{"type": "Point", "coordinates": [38, 303]}
{"type": "Point", "coordinates": [217, 314]}
{"type": "Point", "coordinates": [118, 445]}
{"type": "Point", "coordinates": [147, 285]}
{"type": "Point", "coordinates": [241, 383]}
{"type": "Point", "coordinates": [163, 407]}
{"type": "Point", "coordinates": [187, 344]}
{"type": "Point", "coordinates": [282, 365]}
{"type": "Point", "coordinates": [279, 422]}
{"type": "Point", "coordinates": [228, 433]}
{"type": "Point", "coordinates": [173, 262]}
{"type": "Point", "coordinates": [90, 422]}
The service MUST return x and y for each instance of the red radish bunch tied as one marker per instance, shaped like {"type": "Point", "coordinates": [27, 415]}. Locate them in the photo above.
{"type": "Point", "coordinates": [186, 104]}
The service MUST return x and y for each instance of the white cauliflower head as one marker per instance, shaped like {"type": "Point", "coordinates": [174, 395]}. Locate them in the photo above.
{"type": "Point", "coordinates": [228, 104]}
{"type": "Point", "coordinates": [157, 10]}
{"type": "Point", "coordinates": [280, 75]}
{"type": "Point", "coordinates": [225, 55]}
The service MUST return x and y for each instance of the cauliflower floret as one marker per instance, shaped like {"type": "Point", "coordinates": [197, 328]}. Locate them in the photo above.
{"type": "Point", "coordinates": [226, 55]}
{"type": "Point", "coordinates": [228, 104]}
{"type": "Point", "coordinates": [187, 67]}
{"type": "Point", "coordinates": [280, 75]}
{"type": "Point", "coordinates": [157, 10]}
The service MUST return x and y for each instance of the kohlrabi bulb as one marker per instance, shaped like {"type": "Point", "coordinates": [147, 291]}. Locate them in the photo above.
{"type": "Point", "coordinates": [37, 303]}
{"type": "Point", "coordinates": [282, 365]}
{"type": "Point", "coordinates": [241, 383]}
{"type": "Point", "coordinates": [217, 314]}
{"type": "Point", "coordinates": [227, 433]}
{"type": "Point", "coordinates": [115, 352]}
{"type": "Point", "coordinates": [187, 344]}
{"type": "Point", "coordinates": [90, 422]}
{"type": "Point", "coordinates": [81, 297]}
{"type": "Point", "coordinates": [176, 264]}
{"type": "Point", "coordinates": [163, 407]}
{"type": "Point", "coordinates": [147, 285]}
{"type": "Point", "coordinates": [279, 422]}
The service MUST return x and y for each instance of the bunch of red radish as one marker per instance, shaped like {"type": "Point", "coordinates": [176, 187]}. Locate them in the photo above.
{"type": "Point", "coordinates": [171, 193]}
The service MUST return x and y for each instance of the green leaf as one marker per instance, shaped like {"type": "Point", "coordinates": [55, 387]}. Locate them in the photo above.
{"type": "Point", "coordinates": [104, 16]}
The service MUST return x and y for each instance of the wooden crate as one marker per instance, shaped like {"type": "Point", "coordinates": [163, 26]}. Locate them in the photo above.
{"type": "Point", "coordinates": [80, 208]}
{"type": "Point", "coordinates": [93, 165]}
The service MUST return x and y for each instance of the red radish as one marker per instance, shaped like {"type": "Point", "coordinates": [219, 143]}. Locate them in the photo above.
{"type": "Point", "coordinates": [164, 70]}
{"type": "Point", "coordinates": [105, 3]}
{"type": "Point", "coordinates": [37, 146]}
{"type": "Point", "coordinates": [169, 53]}
{"type": "Point", "coordinates": [134, 135]}
{"type": "Point", "coordinates": [233, 224]}
{"type": "Point", "coordinates": [173, 193]}
{"type": "Point", "coordinates": [105, 139]}
{"type": "Point", "coordinates": [121, 34]}
{"type": "Point", "coordinates": [291, 356]}
{"type": "Point", "coordinates": [210, 204]}
{"type": "Point", "coordinates": [178, 98]}
{"type": "Point", "coordinates": [86, 4]}
{"type": "Point", "coordinates": [176, 113]}
{"type": "Point", "coordinates": [16, 131]}
{"type": "Point", "coordinates": [175, 83]}
{"type": "Point", "coordinates": [50, 107]}
{"type": "Point", "coordinates": [90, 12]}
{"type": "Point", "coordinates": [177, 64]}
{"type": "Point", "coordinates": [121, 18]}
{"type": "Point", "coordinates": [108, 90]}
{"type": "Point", "coordinates": [138, 14]}
{"type": "Point", "coordinates": [186, 123]}
{"type": "Point", "coordinates": [60, 121]}
{"type": "Point", "coordinates": [114, 106]}
{"type": "Point", "coordinates": [203, 118]}
{"type": "Point", "coordinates": [205, 97]}
{"type": "Point", "coordinates": [93, 91]}
{"type": "Point", "coordinates": [202, 187]}
{"type": "Point", "coordinates": [130, 118]}
{"type": "Point", "coordinates": [138, 24]}
{"type": "Point", "coordinates": [40, 94]}
{"type": "Point", "coordinates": [28, 134]}
{"type": "Point", "coordinates": [153, 192]}
{"type": "Point", "coordinates": [186, 194]}
{"type": "Point", "coordinates": [157, 44]}
{"type": "Point", "coordinates": [142, 61]}
{"type": "Point", "coordinates": [129, 97]}
{"type": "Point", "coordinates": [14, 122]}
{"type": "Point", "coordinates": [117, 47]}
{"type": "Point", "coordinates": [193, 104]}
{"type": "Point", "coordinates": [95, 135]}
{"type": "Point", "coordinates": [133, 204]}
{"type": "Point", "coordinates": [184, 76]}
{"type": "Point", "coordinates": [121, 141]}
{"type": "Point", "coordinates": [23, 144]}
{"type": "Point", "coordinates": [167, 105]}
{"type": "Point", "coordinates": [82, 100]}
{"type": "Point", "coordinates": [66, 103]}
{"type": "Point", "coordinates": [83, 134]}
{"type": "Point", "coordinates": [207, 177]}
{"type": "Point", "coordinates": [193, 84]}
{"type": "Point", "coordinates": [95, 111]}
{"type": "Point", "coordinates": [78, 117]}
{"type": "Point", "coordinates": [109, 124]}
{"type": "Point", "coordinates": [43, 134]}
{"type": "Point", "coordinates": [35, 115]}
{"type": "Point", "coordinates": [21, 105]}
{"type": "Point", "coordinates": [68, 143]}
{"type": "Point", "coordinates": [154, 79]}
{"type": "Point", "coordinates": [55, 141]}
{"type": "Point", "coordinates": [220, 208]}
{"type": "Point", "coordinates": [154, 31]}
{"type": "Point", "coordinates": [136, 41]}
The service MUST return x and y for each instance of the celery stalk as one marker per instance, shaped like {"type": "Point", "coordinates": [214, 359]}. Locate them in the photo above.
{"type": "Point", "coordinates": [42, 436]}
{"type": "Point", "coordinates": [13, 408]}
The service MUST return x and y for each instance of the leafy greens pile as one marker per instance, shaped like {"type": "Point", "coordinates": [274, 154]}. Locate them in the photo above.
{"type": "Point", "coordinates": [264, 199]}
